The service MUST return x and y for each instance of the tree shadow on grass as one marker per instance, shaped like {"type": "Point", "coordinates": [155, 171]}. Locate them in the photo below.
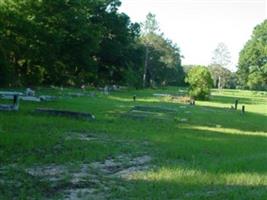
{"type": "Point", "coordinates": [228, 118]}
{"type": "Point", "coordinates": [176, 189]}
{"type": "Point", "coordinates": [203, 164]}
{"type": "Point", "coordinates": [231, 100]}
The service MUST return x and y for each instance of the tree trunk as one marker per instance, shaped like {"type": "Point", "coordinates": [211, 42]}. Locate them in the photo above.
{"type": "Point", "coordinates": [145, 67]}
{"type": "Point", "coordinates": [219, 82]}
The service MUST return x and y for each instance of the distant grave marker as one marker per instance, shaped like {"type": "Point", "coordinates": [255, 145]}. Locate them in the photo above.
{"type": "Point", "coordinates": [192, 102]}
{"type": "Point", "coordinates": [243, 109]}
{"type": "Point", "coordinates": [29, 92]}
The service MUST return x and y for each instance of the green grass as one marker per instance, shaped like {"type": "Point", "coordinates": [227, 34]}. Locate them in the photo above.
{"type": "Point", "coordinates": [218, 153]}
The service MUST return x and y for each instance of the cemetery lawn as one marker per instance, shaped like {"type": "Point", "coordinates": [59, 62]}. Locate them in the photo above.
{"type": "Point", "coordinates": [161, 149]}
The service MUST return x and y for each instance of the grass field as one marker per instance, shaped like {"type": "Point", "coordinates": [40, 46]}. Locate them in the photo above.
{"type": "Point", "coordinates": [160, 149]}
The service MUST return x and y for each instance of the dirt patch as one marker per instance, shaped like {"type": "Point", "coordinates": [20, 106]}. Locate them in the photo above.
{"type": "Point", "coordinates": [51, 173]}
{"type": "Point", "coordinates": [91, 181]}
{"type": "Point", "coordinates": [123, 166]}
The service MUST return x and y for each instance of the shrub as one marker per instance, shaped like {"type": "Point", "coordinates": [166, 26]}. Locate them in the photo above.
{"type": "Point", "coordinates": [200, 82]}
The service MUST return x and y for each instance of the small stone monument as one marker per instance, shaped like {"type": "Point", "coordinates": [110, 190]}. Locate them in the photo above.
{"type": "Point", "coordinates": [192, 102]}
{"type": "Point", "coordinates": [30, 92]}
{"type": "Point", "coordinates": [106, 90]}
{"type": "Point", "coordinates": [243, 109]}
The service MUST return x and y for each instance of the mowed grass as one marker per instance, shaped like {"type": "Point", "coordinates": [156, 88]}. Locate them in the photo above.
{"type": "Point", "coordinates": [216, 153]}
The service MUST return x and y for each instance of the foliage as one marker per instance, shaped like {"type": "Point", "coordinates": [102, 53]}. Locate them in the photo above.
{"type": "Point", "coordinates": [221, 55]}
{"type": "Point", "coordinates": [80, 42]}
{"type": "Point", "coordinates": [65, 42]}
{"type": "Point", "coordinates": [222, 77]}
{"type": "Point", "coordinates": [252, 67]}
{"type": "Point", "coordinates": [162, 59]}
{"type": "Point", "coordinates": [150, 25]}
{"type": "Point", "coordinates": [200, 82]}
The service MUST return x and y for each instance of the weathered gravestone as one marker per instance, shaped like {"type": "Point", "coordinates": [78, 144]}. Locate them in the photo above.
{"type": "Point", "coordinates": [29, 92]}
{"type": "Point", "coordinates": [243, 109]}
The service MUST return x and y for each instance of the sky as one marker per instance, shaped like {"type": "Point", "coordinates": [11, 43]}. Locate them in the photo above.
{"type": "Point", "coordinates": [197, 26]}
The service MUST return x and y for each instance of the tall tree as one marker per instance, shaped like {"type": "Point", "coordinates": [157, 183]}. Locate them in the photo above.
{"type": "Point", "coordinates": [54, 41]}
{"type": "Point", "coordinates": [221, 55]}
{"type": "Point", "coordinates": [118, 45]}
{"type": "Point", "coordinates": [220, 60]}
{"type": "Point", "coordinates": [162, 58]}
{"type": "Point", "coordinates": [65, 42]}
{"type": "Point", "coordinates": [252, 66]}
{"type": "Point", "coordinates": [150, 28]}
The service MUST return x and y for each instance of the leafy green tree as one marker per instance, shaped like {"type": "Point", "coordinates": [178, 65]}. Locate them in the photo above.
{"type": "Point", "coordinates": [118, 48]}
{"type": "Point", "coordinates": [66, 42]}
{"type": "Point", "coordinates": [252, 67]}
{"type": "Point", "coordinates": [200, 82]}
{"type": "Point", "coordinates": [162, 65]}
{"type": "Point", "coordinates": [51, 42]}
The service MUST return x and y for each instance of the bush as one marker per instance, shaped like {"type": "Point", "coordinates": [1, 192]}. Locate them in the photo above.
{"type": "Point", "coordinates": [200, 82]}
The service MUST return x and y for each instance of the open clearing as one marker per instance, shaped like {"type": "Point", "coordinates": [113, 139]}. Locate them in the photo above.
{"type": "Point", "coordinates": [153, 148]}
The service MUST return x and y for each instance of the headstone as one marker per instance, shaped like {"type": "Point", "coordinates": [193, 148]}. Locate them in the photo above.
{"type": "Point", "coordinates": [192, 102]}
{"type": "Point", "coordinates": [30, 92]}
{"type": "Point", "coordinates": [115, 88]}
{"type": "Point", "coordinates": [236, 104]}
{"type": "Point", "coordinates": [243, 109]}
{"type": "Point", "coordinates": [16, 102]}
{"type": "Point", "coordinates": [106, 91]}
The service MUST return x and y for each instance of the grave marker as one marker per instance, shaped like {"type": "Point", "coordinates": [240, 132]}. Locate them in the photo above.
{"type": "Point", "coordinates": [243, 109]}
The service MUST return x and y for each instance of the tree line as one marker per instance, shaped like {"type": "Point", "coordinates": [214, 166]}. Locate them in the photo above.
{"type": "Point", "coordinates": [79, 42]}
{"type": "Point", "coordinates": [89, 42]}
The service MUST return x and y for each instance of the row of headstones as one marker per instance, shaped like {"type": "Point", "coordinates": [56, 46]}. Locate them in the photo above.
{"type": "Point", "coordinates": [192, 102]}
{"type": "Point", "coordinates": [29, 95]}
{"type": "Point", "coordinates": [15, 107]}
